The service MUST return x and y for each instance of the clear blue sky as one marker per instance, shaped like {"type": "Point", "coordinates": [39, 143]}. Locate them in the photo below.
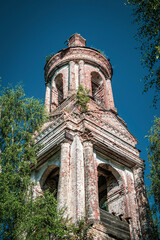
{"type": "Point", "coordinates": [31, 30]}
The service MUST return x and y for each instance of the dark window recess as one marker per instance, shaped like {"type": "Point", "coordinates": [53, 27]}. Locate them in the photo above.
{"type": "Point", "coordinates": [59, 86]}
{"type": "Point", "coordinates": [51, 181]}
{"type": "Point", "coordinates": [97, 87]}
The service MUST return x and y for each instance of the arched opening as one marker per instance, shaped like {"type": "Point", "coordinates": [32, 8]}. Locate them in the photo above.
{"type": "Point", "coordinates": [112, 202]}
{"type": "Point", "coordinates": [50, 179]}
{"type": "Point", "coordinates": [102, 191]}
{"type": "Point", "coordinates": [96, 82]}
{"type": "Point", "coordinates": [110, 190]}
{"type": "Point", "coordinates": [59, 86]}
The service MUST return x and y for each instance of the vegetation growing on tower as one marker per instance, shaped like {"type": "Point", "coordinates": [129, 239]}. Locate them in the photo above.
{"type": "Point", "coordinates": [83, 98]}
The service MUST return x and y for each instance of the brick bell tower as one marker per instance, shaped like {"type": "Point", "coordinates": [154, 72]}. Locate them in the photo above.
{"type": "Point", "coordinates": [89, 157]}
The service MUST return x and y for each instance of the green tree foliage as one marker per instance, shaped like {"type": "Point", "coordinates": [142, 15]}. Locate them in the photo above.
{"type": "Point", "coordinates": [81, 230]}
{"type": "Point", "coordinates": [83, 98]}
{"type": "Point", "coordinates": [20, 118]}
{"type": "Point", "coordinates": [154, 161]}
{"type": "Point", "coordinates": [147, 16]}
{"type": "Point", "coordinates": [42, 220]}
{"type": "Point", "coordinates": [21, 215]}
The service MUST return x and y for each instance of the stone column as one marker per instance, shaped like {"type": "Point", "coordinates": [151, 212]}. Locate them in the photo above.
{"type": "Point", "coordinates": [144, 211]}
{"type": "Point", "coordinates": [109, 96]}
{"type": "Point", "coordinates": [91, 183]}
{"type": "Point", "coordinates": [77, 201]}
{"type": "Point", "coordinates": [48, 97]}
{"type": "Point", "coordinates": [63, 186]}
{"type": "Point", "coordinates": [72, 87]}
{"type": "Point", "coordinates": [81, 73]}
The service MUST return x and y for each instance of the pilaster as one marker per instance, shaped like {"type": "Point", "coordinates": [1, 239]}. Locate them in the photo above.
{"type": "Point", "coordinates": [63, 186]}
{"type": "Point", "coordinates": [132, 206]}
{"type": "Point", "coordinates": [48, 97]}
{"type": "Point", "coordinates": [65, 83]}
{"type": "Point", "coordinates": [109, 96]}
{"type": "Point", "coordinates": [72, 86]}
{"type": "Point", "coordinates": [81, 73]}
{"type": "Point", "coordinates": [88, 79]}
{"type": "Point", "coordinates": [77, 201]}
{"type": "Point", "coordinates": [91, 181]}
{"type": "Point", "coordinates": [143, 205]}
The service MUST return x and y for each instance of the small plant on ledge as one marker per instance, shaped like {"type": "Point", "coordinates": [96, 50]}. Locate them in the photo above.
{"type": "Point", "coordinates": [83, 98]}
{"type": "Point", "coordinates": [102, 53]}
{"type": "Point", "coordinates": [49, 57]}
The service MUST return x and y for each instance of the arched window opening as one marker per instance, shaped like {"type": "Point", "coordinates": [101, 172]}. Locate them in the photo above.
{"type": "Point", "coordinates": [102, 187]}
{"type": "Point", "coordinates": [112, 202]}
{"type": "Point", "coordinates": [59, 86]}
{"type": "Point", "coordinates": [50, 179]}
{"type": "Point", "coordinates": [96, 82]}
{"type": "Point", "coordinates": [108, 190]}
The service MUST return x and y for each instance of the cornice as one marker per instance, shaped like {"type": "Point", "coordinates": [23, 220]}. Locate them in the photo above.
{"type": "Point", "coordinates": [89, 55]}
{"type": "Point", "coordinates": [58, 130]}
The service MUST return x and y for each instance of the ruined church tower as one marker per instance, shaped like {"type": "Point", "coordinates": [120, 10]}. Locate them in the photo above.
{"type": "Point", "coordinates": [89, 156]}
